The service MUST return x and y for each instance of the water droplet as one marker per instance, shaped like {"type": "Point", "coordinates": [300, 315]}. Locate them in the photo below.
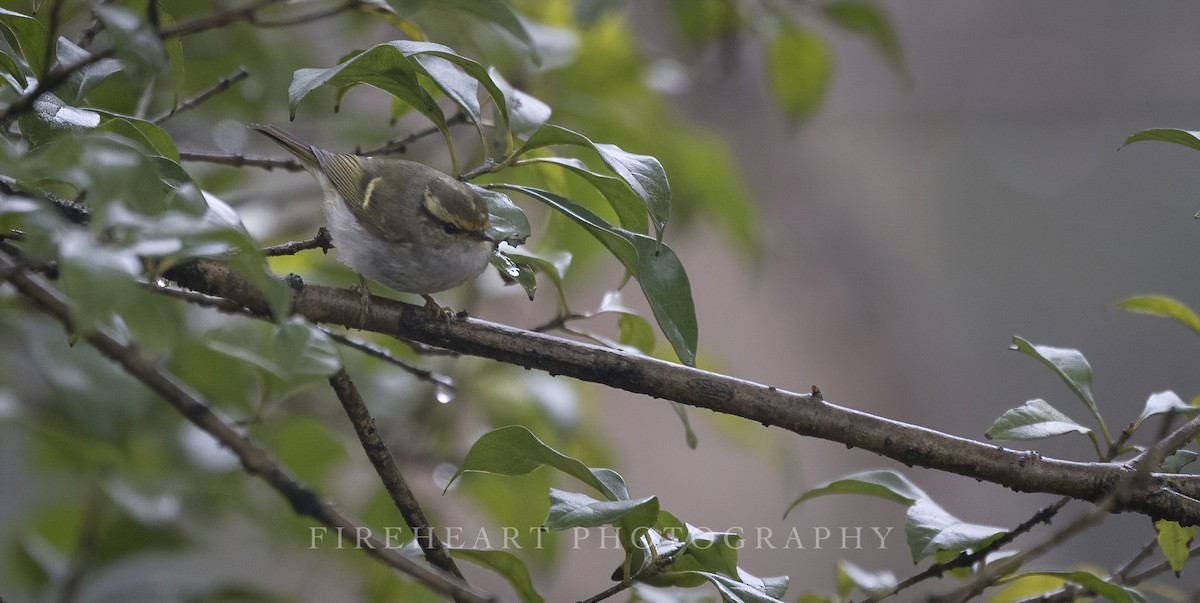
{"type": "Point", "coordinates": [443, 394]}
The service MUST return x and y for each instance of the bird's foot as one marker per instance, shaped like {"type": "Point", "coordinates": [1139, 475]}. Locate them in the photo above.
{"type": "Point", "coordinates": [437, 310]}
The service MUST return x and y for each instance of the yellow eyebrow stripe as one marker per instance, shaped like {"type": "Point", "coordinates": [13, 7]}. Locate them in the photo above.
{"type": "Point", "coordinates": [370, 190]}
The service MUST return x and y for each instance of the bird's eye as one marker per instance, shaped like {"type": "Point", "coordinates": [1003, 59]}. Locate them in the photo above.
{"type": "Point", "coordinates": [450, 229]}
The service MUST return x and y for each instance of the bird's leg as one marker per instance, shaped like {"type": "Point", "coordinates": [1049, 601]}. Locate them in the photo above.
{"type": "Point", "coordinates": [436, 309]}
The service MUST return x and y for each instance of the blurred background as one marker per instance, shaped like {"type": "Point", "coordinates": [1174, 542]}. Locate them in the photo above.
{"type": "Point", "coordinates": [909, 228]}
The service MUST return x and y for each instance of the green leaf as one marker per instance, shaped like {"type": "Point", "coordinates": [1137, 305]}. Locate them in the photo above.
{"type": "Point", "coordinates": [1174, 540]}
{"type": "Point", "coordinates": [656, 268]}
{"type": "Point", "coordinates": [514, 450]}
{"type": "Point", "coordinates": [631, 214]}
{"type": "Point", "coordinates": [98, 279]}
{"type": "Point", "coordinates": [1176, 462]}
{"type": "Point", "coordinates": [1074, 370]}
{"type": "Point", "coordinates": [734, 591]}
{"type": "Point", "coordinates": [553, 264]}
{"type": "Point", "coordinates": [1024, 586]}
{"type": "Point", "coordinates": [572, 509]}
{"type": "Point", "coordinates": [84, 80]}
{"type": "Point", "coordinates": [931, 529]}
{"type": "Point", "coordinates": [1034, 420]}
{"type": "Point", "coordinates": [525, 113]}
{"type": "Point", "coordinates": [151, 137]}
{"type": "Point", "coordinates": [12, 74]}
{"type": "Point", "coordinates": [643, 174]}
{"type": "Point", "coordinates": [394, 67]}
{"type": "Point", "coordinates": [522, 274]}
{"type": "Point", "coordinates": [869, 20]}
{"type": "Point", "coordinates": [1183, 137]}
{"type": "Point", "coordinates": [704, 21]}
{"type": "Point", "coordinates": [134, 41]}
{"type": "Point", "coordinates": [507, 222]}
{"type": "Point", "coordinates": [294, 352]}
{"type": "Point", "coordinates": [30, 36]}
{"type": "Point", "coordinates": [494, 12]}
{"type": "Point", "coordinates": [1166, 307]}
{"type": "Point", "coordinates": [880, 483]}
{"type": "Point", "coordinates": [876, 584]}
{"type": "Point", "coordinates": [507, 565]}
{"type": "Point", "coordinates": [1161, 403]}
{"type": "Point", "coordinates": [1104, 588]}
{"type": "Point", "coordinates": [799, 64]}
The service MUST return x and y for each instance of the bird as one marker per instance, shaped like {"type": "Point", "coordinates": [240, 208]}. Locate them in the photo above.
{"type": "Point", "coordinates": [400, 223]}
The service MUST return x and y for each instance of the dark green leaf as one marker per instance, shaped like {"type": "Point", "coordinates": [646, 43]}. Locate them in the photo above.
{"type": "Point", "coordinates": [1183, 137]}
{"type": "Point", "coordinates": [12, 74]}
{"type": "Point", "coordinates": [553, 264]}
{"type": "Point", "coordinates": [507, 222]}
{"type": "Point", "coordinates": [495, 12]}
{"type": "Point", "coordinates": [134, 41]}
{"type": "Point", "coordinates": [30, 37]}
{"type": "Point", "coordinates": [522, 274]}
{"type": "Point", "coordinates": [656, 268]}
{"type": "Point", "coordinates": [643, 174]}
{"type": "Point", "coordinates": [82, 81]}
{"type": "Point", "coordinates": [881, 483]}
{"type": "Point", "coordinates": [509, 566]}
{"type": "Point", "coordinates": [393, 68]}
{"type": "Point", "coordinates": [1034, 420]}
{"type": "Point", "coordinates": [514, 450]}
{"type": "Point", "coordinates": [525, 113]}
{"type": "Point", "coordinates": [631, 213]}
{"type": "Point", "coordinates": [869, 20]}
{"type": "Point", "coordinates": [151, 137]}
{"type": "Point", "coordinates": [1166, 307]}
{"type": "Point", "coordinates": [799, 65]}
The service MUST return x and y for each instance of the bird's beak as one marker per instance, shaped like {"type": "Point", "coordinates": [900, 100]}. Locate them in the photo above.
{"type": "Point", "coordinates": [485, 236]}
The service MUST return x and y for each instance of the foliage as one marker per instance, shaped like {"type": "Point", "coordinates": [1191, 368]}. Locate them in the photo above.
{"type": "Point", "coordinates": [101, 196]}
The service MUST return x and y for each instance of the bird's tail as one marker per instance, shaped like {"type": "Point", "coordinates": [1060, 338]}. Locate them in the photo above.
{"type": "Point", "coordinates": [302, 150]}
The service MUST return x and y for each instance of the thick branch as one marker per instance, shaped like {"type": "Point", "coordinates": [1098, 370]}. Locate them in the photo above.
{"type": "Point", "coordinates": [1160, 496]}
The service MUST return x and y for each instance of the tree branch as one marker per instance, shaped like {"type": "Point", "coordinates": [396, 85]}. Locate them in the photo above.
{"type": "Point", "coordinates": [1162, 495]}
{"type": "Point", "coordinates": [220, 86]}
{"type": "Point", "coordinates": [255, 460]}
{"type": "Point", "coordinates": [389, 473]}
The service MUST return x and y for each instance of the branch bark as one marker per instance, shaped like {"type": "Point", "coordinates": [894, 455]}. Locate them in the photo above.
{"type": "Point", "coordinates": [1160, 495]}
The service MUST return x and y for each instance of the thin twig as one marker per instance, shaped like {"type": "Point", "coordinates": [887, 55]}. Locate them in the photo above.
{"type": "Point", "coordinates": [383, 354]}
{"type": "Point", "coordinates": [196, 298]}
{"type": "Point", "coordinates": [1153, 456]}
{"type": "Point", "coordinates": [966, 560]}
{"type": "Point", "coordinates": [308, 18]}
{"type": "Point", "coordinates": [389, 473]}
{"type": "Point", "coordinates": [323, 241]}
{"type": "Point", "coordinates": [220, 86]}
{"type": "Point", "coordinates": [255, 459]}
{"type": "Point", "coordinates": [991, 573]}
{"type": "Point", "coordinates": [239, 160]}
{"type": "Point", "coordinates": [400, 145]}
{"type": "Point", "coordinates": [94, 27]}
{"type": "Point", "coordinates": [85, 547]}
